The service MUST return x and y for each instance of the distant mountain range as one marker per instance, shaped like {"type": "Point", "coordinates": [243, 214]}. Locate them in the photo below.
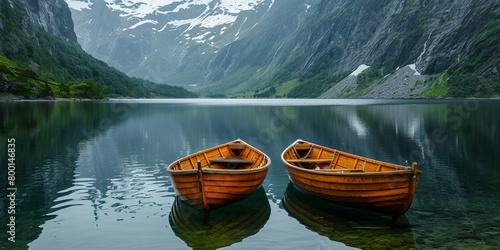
{"type": "Point", "coordinates": [166, 41]}
{"type": "Point", "coordinates": [232, 47]}
{"type": "Point", "coordinates": [259, 48]}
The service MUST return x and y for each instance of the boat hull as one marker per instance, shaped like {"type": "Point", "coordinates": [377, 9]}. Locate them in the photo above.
{"type": "Point", "coordinates": [219, 189]}
{"type": "Point", "coordinates": [386, 191]}
{"type": "Point", "coordinates": [211, 185]}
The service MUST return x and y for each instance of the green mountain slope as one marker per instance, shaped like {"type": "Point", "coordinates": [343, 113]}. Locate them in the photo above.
{"type": "Point", "coordinates": [37, 64]}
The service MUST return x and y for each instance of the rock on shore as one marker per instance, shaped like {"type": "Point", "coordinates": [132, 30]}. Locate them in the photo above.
{"type": "Point", "coordinates": [406, 82]}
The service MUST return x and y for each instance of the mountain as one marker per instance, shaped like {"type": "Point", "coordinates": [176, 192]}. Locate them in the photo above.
{"type": "Point", "coordinates": [165, 41]}
{"type": "Point", "coordinates": [301, 48]}
{"type": "Point", "coordinates": [40, 58]}
{"type": "Point", "coordinates": [52, 16]}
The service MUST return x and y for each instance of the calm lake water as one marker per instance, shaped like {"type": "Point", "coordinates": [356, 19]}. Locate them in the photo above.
{"type": "Point", "coordinates": [91, 175]}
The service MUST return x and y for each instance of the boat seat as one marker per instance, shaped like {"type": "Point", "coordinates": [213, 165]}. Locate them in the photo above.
{"type": "Point", "coordinates": [231, 160]}
{"type": "Point", "coordinates": [302, 146]}
{"type": "Point", "coordinates": [341, 170]}
{"type": "Point", "coordinates": [237, 146]}
{"type": "Point", "coordinates": [309, 160]}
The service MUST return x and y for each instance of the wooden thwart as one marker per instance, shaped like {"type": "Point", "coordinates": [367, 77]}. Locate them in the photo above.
{"type": "Point", "coordinates": [231, 160]}
{"type": "Point", "coordinates": [236, 146]}
{"type": "Point", "coordinates": [341, 170]}
{"type": "Point", "coordinates": [302, 146]}
{"type": "Point", "coordinates": [310, 160]}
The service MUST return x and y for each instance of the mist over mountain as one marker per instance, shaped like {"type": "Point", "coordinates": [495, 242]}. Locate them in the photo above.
{"type": "Point", "coordinates": [223, 46]}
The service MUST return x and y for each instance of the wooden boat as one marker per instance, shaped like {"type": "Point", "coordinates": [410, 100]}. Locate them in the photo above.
{"type": "Point", "coordinates": [220, 175]}
{"type": "Point", "coordinates": [354, 227]}
{"type": "Point", "coordinates": [350, 179]}
{"type": "Point", "coordinates": [221, 227]}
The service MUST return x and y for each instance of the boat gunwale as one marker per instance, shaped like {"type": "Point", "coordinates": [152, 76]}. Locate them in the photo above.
{"type": "Point", "coordinates": [348, 173]}
{"type": "Point", "coordinates": [181, 172]}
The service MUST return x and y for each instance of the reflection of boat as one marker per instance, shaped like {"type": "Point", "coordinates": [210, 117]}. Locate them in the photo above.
{"type": "Point", "coordinates": [221, 227]}
{"type": "Point", "coordinates": [350, 179]}
{"type": "Point", "coordinates": [220, 175]}
{"type": "Point", "coordinates": [351, 226]}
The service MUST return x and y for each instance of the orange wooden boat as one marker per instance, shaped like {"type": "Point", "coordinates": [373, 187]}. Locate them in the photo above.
{"type": "Point", "coordinates": [350, 179]}
{"type": "Point", "coordinates": [220, 175]}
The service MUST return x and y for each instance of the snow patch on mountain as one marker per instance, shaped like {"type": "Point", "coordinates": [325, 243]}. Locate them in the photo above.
{"type": "Point", "coordinates": [197, 20]}
{"type": "Point", "coordinates": [226, 10]}
{"type": "Point", "coordinates": [360, 69]}
{"type": "Point", "coordinates": [143, 8]}
{"type": "Point", "coordinates": [414, 68]}
{"type": "Point", "coordinates": [79, 4]}
{"type": "Point", "coordinates": [141, 23]}
{"type": "Point", "coordinates": [140, 8]}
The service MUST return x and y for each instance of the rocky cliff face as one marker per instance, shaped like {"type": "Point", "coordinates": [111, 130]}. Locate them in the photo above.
{"type": "Point", "coordinates": [345, 34]}
{"type": "Point", "coordinates": [19, 17]}
{"type": "Point", "coordinates": [53, 16]}
{"type": "Point", "coordinates": [243, 45]}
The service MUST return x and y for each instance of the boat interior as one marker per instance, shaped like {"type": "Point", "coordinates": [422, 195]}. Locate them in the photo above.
{"type": "Point", "coordinates": [309, 156]}
{"type": "Point", "coordinates": [234, 155]}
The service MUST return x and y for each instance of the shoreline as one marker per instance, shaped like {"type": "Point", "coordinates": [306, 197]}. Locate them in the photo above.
{"type": "Point", "coordinates": [5, 98]}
